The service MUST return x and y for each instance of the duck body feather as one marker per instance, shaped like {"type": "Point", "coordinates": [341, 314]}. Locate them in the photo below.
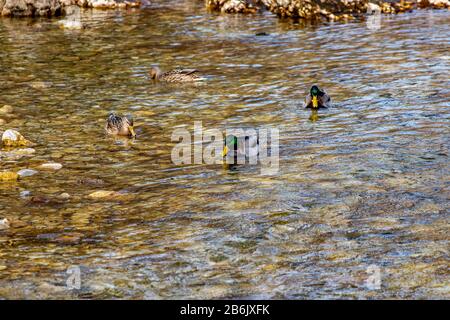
{"type": "Point", "coordinates": [176, 75]}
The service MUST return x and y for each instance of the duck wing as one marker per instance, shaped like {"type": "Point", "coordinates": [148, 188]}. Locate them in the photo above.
{"type": "Point", "coordinates": [308, 101]}
{"type": "Point", "coordinates": [188, 71]}
{"type": "Point", "coordinates": [325, 100]}
{"type": "Point", "coordinates": [180, 75]}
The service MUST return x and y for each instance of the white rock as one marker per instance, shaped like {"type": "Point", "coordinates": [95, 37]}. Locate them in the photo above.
{"type": "Point", "coordinates": [4, 224]}
{"type": "Point", "coordinates": [25, 194]}
{"type": "Point", "coordinates": [13, 138]}
{"type": "Point", "coordinates": [103, 194]}
{"type": "Point", "coordinates": [51, 166]}
{"type": "Point", "coordinates": [26, 173]}
{"type": "Point", "coordinates": [6, 109]}
{"type": "Point", "coordinates": [64, 196]}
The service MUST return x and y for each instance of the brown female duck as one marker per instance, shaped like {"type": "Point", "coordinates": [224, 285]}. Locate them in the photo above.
{"type": "Point", "coordinates": [120, 125]}
{"type": "Point", "coordinates": [176, 75]}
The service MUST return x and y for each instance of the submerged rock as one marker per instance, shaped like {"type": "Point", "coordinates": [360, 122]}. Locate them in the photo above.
{"type": "Point", "coordinates": [69, 238]}
{"type": "Point", "coordinates": [8, 176]}
{"type": "Point", "coordinates": [6, 108]}
{"type": "Point", "coordinates": [4, 224]}
{"type": "Point", "coordinates": [91, 182]}
{"type": "Point", "coordinates": [61, 238]}
{"type": "Point", "coordinates": [26, 173]}
{"type": "Point", "coordinates": [25, 194]}
{"type": "Point", "coordinates": [24, 151]}
{"type": "Point", "coordinates": [109, 195]}
{"type": "Point", "coordinates": [16, 154]}
{"type": "Point", "coordinates": [13, 138]}
{"type": "Point", "coordinates": [51, 166]}
{"type": "Point", "coordinates": [40, 85]}
{"type": "Point", "coordinates": [64, 196]}
{"type": "Point", "coordinates": [103, 194]}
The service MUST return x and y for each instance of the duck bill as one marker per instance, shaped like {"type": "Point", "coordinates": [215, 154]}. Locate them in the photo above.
{"type": "Point", "coordinates": [132, 133]}
{"type": "Point", "coordinates": [315, 102]}
{"type": "Point", "coordinates": [225, 151]}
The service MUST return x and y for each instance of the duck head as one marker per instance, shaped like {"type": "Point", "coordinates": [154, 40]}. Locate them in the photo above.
{"type": "Point", "coordinates": [155, 73]}
{"type": "Point", "coordinates": [231, 142]}
{"type": "Point", "coordinates": [130, 126]}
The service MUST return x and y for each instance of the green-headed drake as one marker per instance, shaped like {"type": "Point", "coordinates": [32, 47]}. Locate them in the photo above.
{"type": "Point", "coordinates": [176, 75]}
{"type": "Point", "coordinates": [317, 98]}
{"type": "Point", "coordinates": [242, 147]}
{"type": "Point", "coordinates": [120, 125]}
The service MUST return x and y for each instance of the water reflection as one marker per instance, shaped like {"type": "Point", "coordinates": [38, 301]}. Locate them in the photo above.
{"type": "Point", "coordinates": [314, 116]}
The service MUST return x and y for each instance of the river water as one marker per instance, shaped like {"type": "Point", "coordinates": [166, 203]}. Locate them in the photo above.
{"type": "Point", "coordinates": [362, 188]}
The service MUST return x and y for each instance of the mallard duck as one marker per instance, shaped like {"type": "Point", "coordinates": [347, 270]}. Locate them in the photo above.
{"type": "Point", "coordinates": [317, 98]}
{"type": "Point", "coordinates": [176, 75]}
{"type": "Point", "coordinates": [242, 147]}
{"type": "Point", "coordinates": [120, 125]}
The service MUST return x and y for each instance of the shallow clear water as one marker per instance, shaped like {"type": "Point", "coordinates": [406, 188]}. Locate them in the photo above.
{"type": "Point", "coordinates": [363, 183]}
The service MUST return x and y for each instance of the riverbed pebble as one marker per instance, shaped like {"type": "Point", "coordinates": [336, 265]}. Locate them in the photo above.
{"type": "Point", "coordinates": [101, 194]}
{"type": "Point", "coordinates": [13, 155]}
{"type": "Point", "coordinates": [4, 224]}
{"type": "Point", "coordinates": [91, 181]}
{"type": "Point", "coordinates": [40, 84]}
{"type": "Point", "coordinates": [69, 238]}
{"type": "Point", "coordinates": [64, 196]}
{"type": "Point", "coordinates": [51, 166]}
{"type": "Point", "coordinates": [6, 109]}
{"type": "Point", "coordinates": [13, 138]}
{"type": "Point", "coordinates": [26, 173]}
{"type": "Point", "coordinates": [24, 151]}
{"type": "Point", "coordinates": [8, 176]}
{"type": "Point", "coordinates": [25, 194]}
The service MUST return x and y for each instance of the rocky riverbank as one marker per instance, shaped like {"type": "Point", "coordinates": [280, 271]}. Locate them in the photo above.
{"type": "Point", "coordinates": [234, 6]}
{"type": "Point", "coordinates": [330, 10]}
{"type": "Point", "coordinates": [48, 8]}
